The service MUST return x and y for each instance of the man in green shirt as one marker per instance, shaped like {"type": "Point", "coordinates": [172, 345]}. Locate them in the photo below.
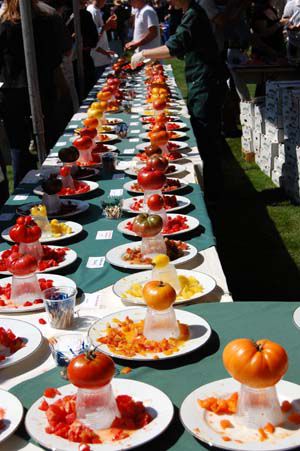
{"type": "Point", "coordinates": [205, 76]}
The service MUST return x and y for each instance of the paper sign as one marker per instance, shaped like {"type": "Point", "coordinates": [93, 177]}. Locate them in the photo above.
{"type": "Point", "coordinates": [104, 235]}
{"type": "Point", "coordinates": [95, 262]}
{"type": "Point", "coordinates": [116, 192]}
{"type": "Point", "coordinates": [54, 154]}
{"type": "Point", "coordinates": [134, 116]}
{"type": "Point", "coordinates": [134, 123]}
{"type": "Point", "coordinates": [92, 300]}
{"type": "Point", "coordinates": [118, 176]}
{"type": "Point", "coordinates": [128, 151]}
{"type": "Point", "coordinates": [134, 140]}
{"type": "Point", "coordinates": [135, 131]}
{"type": "Point", "coordinates": [61, 144]}
{"type": "Point", "coordinates": [21, 197]}
{"type": "Point", "coordinates": [72, 126]}
{"type": "Point", "coordinates": [78, 116]}
{"type": "Point", "coordinates": [6, 216]}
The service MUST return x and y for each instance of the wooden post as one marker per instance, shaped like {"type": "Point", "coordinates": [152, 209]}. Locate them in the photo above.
{"type": "Point", "coordinates": [32, 79]}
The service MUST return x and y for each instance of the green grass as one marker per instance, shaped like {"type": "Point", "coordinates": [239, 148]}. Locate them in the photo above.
{"type": "Point", "coordinates": [257, 228]}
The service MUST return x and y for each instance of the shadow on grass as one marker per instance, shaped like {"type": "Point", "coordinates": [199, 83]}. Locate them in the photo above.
{"type": "Point", "coordinates": [255, 260]}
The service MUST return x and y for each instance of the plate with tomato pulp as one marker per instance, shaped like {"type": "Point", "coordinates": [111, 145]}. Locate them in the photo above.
{"type": "Point", "coordinates": [157, 404]}
{"type": "Point", "coordinates": [198, 332]}
{"type": "Point", "coordinates": [171, 203]}
{"type": "Point", "coordinates": [45, 281]}
{"type": "Point", "coordinates": [81, 188]}
{"type": "Point", "coordinates": [106, 137]}
{"type": "Point", "coordinates": [171, 186]}
{"type": "Point", "coordinates": [61, 256]}
{"type": "Point", "coordinates": [48, 238]}
{"type": "Point", "coordinates": [152, 119]}
{"type": "Point", "coordinates": [176, 224]}
{"type": "Point", "coordinates": [11, 414]}
{"type": "Point", "coordinates": [172, 135]}
{"type": "Point", "coordinates": [18, 340]}
{"type": "Point", "coordinates": [69, 208]}
{"type": "Point", "coordinates": [170, 126]}
{"type": "Point", "coordinates": [129, 255]}
{"type": "Point", "coordinates": [206, 427]}
{"type": "Point", "coordinates": [173, 169]}
{"type": "Point", "coordinates": [172, 146]}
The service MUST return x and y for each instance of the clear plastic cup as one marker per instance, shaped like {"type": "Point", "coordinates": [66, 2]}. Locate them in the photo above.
{"type": "Point", "coordinates": [59, 303]}
{"type": "Point", "coordinates": [160, 324]}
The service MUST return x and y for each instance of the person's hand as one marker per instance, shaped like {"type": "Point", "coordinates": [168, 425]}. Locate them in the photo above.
{"type": "Point", "coordinates": [136, 59]}
{"type": "Point", "coordinates": [131, 45]}
{"type": "Point", "coordinates": [111, 23]}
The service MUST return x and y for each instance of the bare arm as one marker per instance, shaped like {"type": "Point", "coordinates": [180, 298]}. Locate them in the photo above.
{"type": "Point", "coordinates": [147, 37]}
{"type": "Point", "coordinates": [157, 53]}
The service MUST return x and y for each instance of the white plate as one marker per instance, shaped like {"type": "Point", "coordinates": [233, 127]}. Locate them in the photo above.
{"type": "Point", "coordinates": [25, 330]}
{"type": "Point", "coordinates": [128, 185]}
{"type": "Point", "coordinates": [173, 119]}
{"type": "Point", "coordinates": [179, 125]}
{"type": "Point", "coordinates": [81, 206]}
{"type": "Point", "coordinates": [182, 146]}
{"type": "Point", "coordinates": [59, 281]}
{"type": "Point", "coordinates": [93, 186]}
{"type": "Point", "coordinates": [76, 229]}
{"type": "Point", "coordinates": [296, 317]}
{"type": "Point", "coordinates": [179, 135]}
{"type": "Point", "coordinates": [110, 137]}
{"type": "Point", "coordinates": [134, 170]}
{"type": "Point", "coordinates": [116, 119]}
{"type": "Point", "coordinates": [191, 222]}
{"type": "Point", "coordinates": [124, 284]}
{"type": "Point", "coordinates": [111, 128]}
{"type": "Point", "coordinates": [110, 148]}
{"type": "Point", "coordinates": [12, 416]}
{"type": "Point", "coordinates": [206, 426]}
{"type": "Point", "coordinates": [182, 201]}
{"type": "Point", "coordinates": [200, 332]}
{"type": "Point", "coordinates": [154, 399]}
{"type": "Point", "coordinates": [70, 257]}
{"type": "Point", "coordinates": [114, 256]}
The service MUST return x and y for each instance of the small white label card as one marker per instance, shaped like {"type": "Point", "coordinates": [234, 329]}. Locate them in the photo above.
{"type": "Point", "coordinates": [6, 216]}
{"type": "Point", "coordinates": [104, 235]}
{"type": "Point", "coordinates": [20, 197]}
{"type": "Point", "coordinates": [134, 123]}
{"type": "Point", "coordinates": [78, 116]}
{"type": "Point", "coordinates": [116, 192]}
{"type": "Point", "coordinates": [136, 131]}
{"type": "Point", "coordinates": [72, 126]}
{"type": "Point", "coordinates": [128, 151]}
{"type": "Point", "coordinates": [91, 300]}
{"type": "Point", "coordinates": [95, 262]}
{"type": "Point", "coordinates": [64, 143]}
{"type": "Point", "coordinates": [133, 140]}
{"type": "Point", "coordinates": [134, 116]}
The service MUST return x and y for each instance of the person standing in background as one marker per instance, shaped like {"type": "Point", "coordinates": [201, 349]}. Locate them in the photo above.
{"type": "Point", "coordinates": [101, 54]}
{"type": "Point", "coordinates": [14, 98]}
{"type": "Point", "coordinates": [146, 33]}
{"type": "Point", "coordinates": [205, 76]}
{"type": "Point", "coordinates": [89, 41]}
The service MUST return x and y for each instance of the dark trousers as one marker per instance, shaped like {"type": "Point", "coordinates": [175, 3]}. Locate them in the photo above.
{"type": "Point", "coordinates": [205, 107]}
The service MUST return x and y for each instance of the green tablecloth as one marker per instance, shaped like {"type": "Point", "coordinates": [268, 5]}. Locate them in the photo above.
{"type": "Point", "coordinates": [85, 245]}
{"type": "Point", "coordinates": [178, 377]}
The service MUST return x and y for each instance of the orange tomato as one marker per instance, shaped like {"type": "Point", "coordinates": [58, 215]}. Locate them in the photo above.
{"type": "Point", "coordinates": [257, 364]}
{"type": "Point", "coordinates": [159, 138]}
{"type": "Point", "coordinates": [91, 122]}
{"type": "Point", "coordinates": [159, 295]}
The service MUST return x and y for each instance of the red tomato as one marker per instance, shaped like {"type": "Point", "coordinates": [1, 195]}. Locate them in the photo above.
{"type": "Point", "coordinates": [90, 132]}
{"type": "Point", "coordinates": [155, 202]}
{"type": "Point", "coordinates": [83, 143]}
{"type": "Point", "coordinates": [91, 370]}
{"type": "Point", "coordinates": [20, 265]}
{"type": "Point", "coordinates": [157, 162]}
{"type": "Point", "coordinates": [25, 230]}
{"type": "Point", "coordinates": [159, 104]}
{"type": "Point", "coordinates": [151, 180]}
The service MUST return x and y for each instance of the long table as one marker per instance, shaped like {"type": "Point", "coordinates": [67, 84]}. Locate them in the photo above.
{"type": "Point", "coordinates": [97, 284]}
